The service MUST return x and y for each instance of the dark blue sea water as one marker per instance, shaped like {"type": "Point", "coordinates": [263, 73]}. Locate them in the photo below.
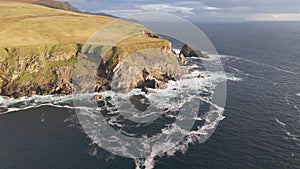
{"type": "Point", "coordinates": [261, 129]}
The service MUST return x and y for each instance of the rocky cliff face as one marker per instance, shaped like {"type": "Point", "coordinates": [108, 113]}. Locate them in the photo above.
{"type": "Point", "coordinates": [150, 68]}
{"type": "Point", "coordinates": [123, 68]}
{"type": "Point", "coordinates": [41, 70]}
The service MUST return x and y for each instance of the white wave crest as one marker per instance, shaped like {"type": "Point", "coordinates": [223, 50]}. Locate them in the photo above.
{"type": "Point", "coordinates": [289, 135]}
{"type": "Point", "coordinates": [279, 122]}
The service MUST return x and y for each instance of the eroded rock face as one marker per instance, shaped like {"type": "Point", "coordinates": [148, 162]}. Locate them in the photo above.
{"type": "Point", "coordinates": [63, 83]}
{"type": "Point", "coordinates": [151, 79]}
{"type": "Point", "coordinates": [38, 72]}
{"type": "Point", "coordinates": [150, 68]}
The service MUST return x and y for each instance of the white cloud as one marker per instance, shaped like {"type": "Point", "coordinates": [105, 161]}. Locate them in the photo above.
{"type": "Point", "coordinates": [188, 2]}
{"type": "Point", "coordinates": [211, 8]}
{"type": "Point", "coordinates": [122, 12]}
{"type": "Point", "coordinates": [274, 17]}
{"type": "Point", "coordinates": [235, 10]}
{"type": "Point", "coordinates": [165, 8]}
{"type": "Point", "coordinates": [137, 0]}
{"type": "Point", "coordinates": [168, 8]}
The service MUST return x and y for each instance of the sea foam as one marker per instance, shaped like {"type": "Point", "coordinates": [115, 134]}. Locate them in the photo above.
{"type": "Point", "coordinates": [167, 99]}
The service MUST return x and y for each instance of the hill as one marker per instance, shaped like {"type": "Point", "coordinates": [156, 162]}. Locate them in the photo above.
{"type": "Point", "coordinates": [39, 46]}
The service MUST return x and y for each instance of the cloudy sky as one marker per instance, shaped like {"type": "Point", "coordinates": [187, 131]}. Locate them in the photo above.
{"type": "Point", "coordinates": [199, 10]}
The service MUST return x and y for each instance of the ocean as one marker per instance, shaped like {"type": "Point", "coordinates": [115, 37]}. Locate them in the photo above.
{"type": "Point", "coordinates": [260, 128]}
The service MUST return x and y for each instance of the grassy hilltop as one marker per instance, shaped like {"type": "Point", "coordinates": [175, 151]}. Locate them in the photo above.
{"type": "Point", "coordinates": [30, 24]}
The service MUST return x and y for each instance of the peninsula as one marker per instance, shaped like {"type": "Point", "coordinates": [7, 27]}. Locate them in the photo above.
{"type": "Point", "coordinates": [40, 41]}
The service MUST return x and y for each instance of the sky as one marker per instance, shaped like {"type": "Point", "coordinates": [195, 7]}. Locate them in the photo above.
{"type": "Point", "coordinates": [200, 10]}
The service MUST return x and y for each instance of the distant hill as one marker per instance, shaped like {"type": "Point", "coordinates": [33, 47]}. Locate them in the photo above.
{"type": "Point", "coordinates": [51, 4]}
{"type": "Point", "coordinates": [102, 14]}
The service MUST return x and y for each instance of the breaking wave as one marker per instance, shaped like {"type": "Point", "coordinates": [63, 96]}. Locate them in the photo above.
{"type": "Point", "coordinates": [289, 135]}
{"type": "Point", "coordinates": [8, 105]}
{"type": "Point", "coordinates": [279, 122]}
{"type": "Point", "coordinates": [13, 105]}
{"type": "Point", "coordinates": [197, 86]}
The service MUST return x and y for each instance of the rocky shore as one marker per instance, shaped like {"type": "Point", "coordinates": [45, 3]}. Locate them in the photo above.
{"type": "Point", "coordinates": [49, 69]}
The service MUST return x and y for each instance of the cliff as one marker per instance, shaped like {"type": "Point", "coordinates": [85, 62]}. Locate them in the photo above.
{"type": "Point", "coordinates": [39, 46]}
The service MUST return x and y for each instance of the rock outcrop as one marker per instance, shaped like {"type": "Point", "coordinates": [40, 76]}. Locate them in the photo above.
{"type": "Point", "coordinates": [187, 51]}
{"type": "Point", "coordinates": [146, 69]}
{"type": "Point", "coordinates": [139, 65]}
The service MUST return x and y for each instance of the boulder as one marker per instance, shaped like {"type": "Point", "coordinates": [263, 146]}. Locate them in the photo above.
{"type": "Point", "coordinates": [187, 51]}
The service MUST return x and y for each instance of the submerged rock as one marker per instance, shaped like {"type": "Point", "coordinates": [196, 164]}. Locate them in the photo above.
{"type": "Point", "coordinates": [3, 110]}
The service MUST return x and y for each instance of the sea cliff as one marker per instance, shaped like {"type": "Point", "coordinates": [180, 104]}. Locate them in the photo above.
{"type": "Point", "coordinates": [39, 47]}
